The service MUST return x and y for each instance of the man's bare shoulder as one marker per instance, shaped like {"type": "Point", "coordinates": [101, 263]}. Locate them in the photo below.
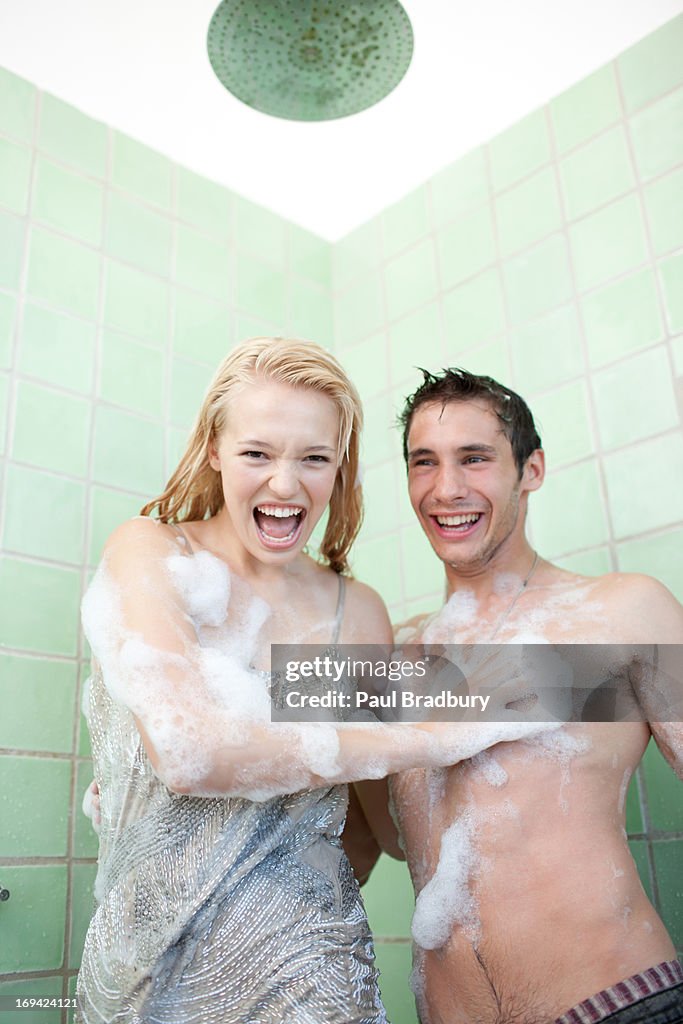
{"type": "Point", "coordinates": [634, 608]}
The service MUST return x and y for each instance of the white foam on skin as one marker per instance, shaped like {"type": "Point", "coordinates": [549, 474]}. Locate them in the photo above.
{"type": "Point", "coordinates": [487, 768]}
{"type": "Point", "coordinates": [460, 610]}
{"type": "Point", "coordinates": [446, 899]}
{"type": "Point", "coordinates": [203, 581]}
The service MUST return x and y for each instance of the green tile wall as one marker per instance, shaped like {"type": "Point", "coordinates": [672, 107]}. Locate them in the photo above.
{"type": "Point", "coordinates": [551, 256]}
{"type": "Point", "coordinates": [559, 268]}
{"type": "Point", "coordinates": [124, 280]}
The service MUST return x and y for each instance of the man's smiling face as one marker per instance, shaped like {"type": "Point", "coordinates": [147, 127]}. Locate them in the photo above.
{"type": "Point", "coordinates": [463, 481]}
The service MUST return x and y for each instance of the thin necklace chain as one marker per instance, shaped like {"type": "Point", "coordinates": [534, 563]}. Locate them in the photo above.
{"type": "Point", "coordinates": [515, 599]}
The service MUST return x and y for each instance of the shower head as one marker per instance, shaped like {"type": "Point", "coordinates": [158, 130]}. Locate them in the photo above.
{"type": "Point", "coordinates": [310, 60]}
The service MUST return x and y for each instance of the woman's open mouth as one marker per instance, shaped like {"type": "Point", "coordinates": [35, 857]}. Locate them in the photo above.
{"type": "Point", "coordinates": [279, 526]}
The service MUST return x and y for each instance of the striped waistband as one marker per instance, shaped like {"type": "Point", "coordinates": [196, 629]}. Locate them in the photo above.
{"type": "Point", "coordinates": [624, 993]}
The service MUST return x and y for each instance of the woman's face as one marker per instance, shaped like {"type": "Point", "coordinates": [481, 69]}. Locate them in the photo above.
{"type": "Point", "coordinates": [277, 456]}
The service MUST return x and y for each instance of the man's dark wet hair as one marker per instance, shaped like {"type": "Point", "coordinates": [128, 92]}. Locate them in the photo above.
{"type": "Point", "coordinates": [457, 385]}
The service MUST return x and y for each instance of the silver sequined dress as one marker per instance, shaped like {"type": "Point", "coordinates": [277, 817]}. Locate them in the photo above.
{"type": "Point", "coordinates": [218, 910]}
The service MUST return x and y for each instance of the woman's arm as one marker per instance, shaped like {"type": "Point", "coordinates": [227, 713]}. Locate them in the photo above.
{"type": "Point", "coordinates": [204, 718]}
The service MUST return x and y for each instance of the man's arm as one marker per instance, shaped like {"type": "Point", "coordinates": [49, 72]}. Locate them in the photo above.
{"type": "Point", "coordinates": [369, 827]}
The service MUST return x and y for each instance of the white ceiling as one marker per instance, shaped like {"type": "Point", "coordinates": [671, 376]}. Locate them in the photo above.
{"type": "Point", "coordinates": [141, 66]}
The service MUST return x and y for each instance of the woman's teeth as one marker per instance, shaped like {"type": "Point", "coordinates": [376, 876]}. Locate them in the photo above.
{"type": "Point", "coordinates": [278, 511]}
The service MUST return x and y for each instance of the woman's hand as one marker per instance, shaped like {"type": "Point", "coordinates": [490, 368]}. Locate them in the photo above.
{"type": "Point", "coordinates": [91, 805]}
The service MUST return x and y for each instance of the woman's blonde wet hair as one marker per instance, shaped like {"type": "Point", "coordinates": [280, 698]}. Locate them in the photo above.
{"type": "Point", "coordinates": [195, 490]}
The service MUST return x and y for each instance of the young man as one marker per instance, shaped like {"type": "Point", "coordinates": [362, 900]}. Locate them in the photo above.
{"type": "Point", "coordinates": [529, 906]}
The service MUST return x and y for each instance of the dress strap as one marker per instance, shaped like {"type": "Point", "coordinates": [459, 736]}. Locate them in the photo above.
{"type": "Point", "coordinates": [183, 536]}
{"type": "Point", "coordinates": [339, 614]}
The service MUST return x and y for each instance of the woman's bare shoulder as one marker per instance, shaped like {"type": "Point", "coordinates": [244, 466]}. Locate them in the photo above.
{"type": "Point", "coordinates": [366, 619]}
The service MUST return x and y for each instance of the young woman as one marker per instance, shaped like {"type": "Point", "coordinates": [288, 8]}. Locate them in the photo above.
{"type": "Point", "coordinates": [223, 894]}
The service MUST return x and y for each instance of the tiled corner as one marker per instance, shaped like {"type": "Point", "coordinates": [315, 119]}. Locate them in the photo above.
{"type": "Point", "coordinates": [261, 231]}
{"type": "Point", "coordinates": [653, 66]}
{"type": "Point", "coordinates": [576, 488]}
{"type": "Point", "coordinates": [68, 202]}
{"type": "Point", "coordinates": [136, 302]}
{"type": "Point", "coordinates": [380, 434]}
{"type": "Point", "coordinates": [635, 398]}
{"type": "Point", "coordinates": [57, 348]}
{"type": "Point", "coordinates": [203, 203]}
{"type": "Point", "coordinates": [538, 279]}
{"type": "Point", "coordinates": [664, 211]}
{"type": "Point", "coordinates": [309, 256]}
{"type": "Point", "coordinates": [310, 312]}
{"type": "Point", "coordinates": [366, 365]}
{"type": "Point", "coordinates": [415, 340]}
{"type": "Point", "coordinates": [357, 254]}
{"type": "Point", "coordinates": [48, 626]}
{"type": "Point", "coordinates": [63, 273]}
{"type": "Point", "coordinates": [587, 108]}
{"type": "Point", "coordinates": [564, 423]}
{"type": "Point", "coordinates": [28, 531]}
{"type": "Point", "coordinates": [138, 169]}
{"type": "Point", "coordinates": [597, 172]}
{"type": "Point", "coordinates": [34, 799]}
{"type": "Point", "coordinates": [72, 137]}
{"type": "Point", "coordinates": [474, 311]}
{"type": "Point", "coordinates": [411, 279]}
{"type": "Point", "coordinates": [128, 451]}
{"type": "Point", "coordinates": [466, 246]}
{"type": "Point", "coordinates": [38, 700]}
{"type": "Point", "coordinates": [638, 509]}
{"type": "Point", "coordinates": [376, 563]}
{"type": "Point", "coordinates": [33, 918]}
{"type": "Point", "coordinates": [405, 223]}
{"type": "Point", "coordinates": [131, 375]}
{"type": "Point", "coordinates": [659, 555]}
{"type": "Point", "coordinates": [622, 317]}
{"type": "Point", "coordinates": [51, 429]}
{"type": "Point", "coordinates": [528, 212]}
{"type": "Point", "coordinates": [17, 106]}
{"type": "Point", "coordinates": [671, 274]}
{"type": "Point", "coordinates": [547, 351]}
{"type": "Point", "coordinates": [8, 312]}
{"type": "Point", "coordinates": [379, 494]}
{"type": "Point", "coordinates": [459, 187]}
{"type": "Point", "coordinates": [657, 136]}
{"type": "Point", "coordinates": [15, 176]}
{"type": "Point", "coordinates": [423, 572]}
{"type": "Point", "coordinates": [203, 328]}
{"type": "Point", "coordinates": [608, 243]}
{"type": "Point", "coordinates": [260, 290]}
{"type": "Point", "coordinates": [358, 311]}
{"type": "Point", "coordinates": [137, 234]}
{"type": "Point", "coordinates": [520, 150]}
{"type": "Point", "coordinates": [204, 264]}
